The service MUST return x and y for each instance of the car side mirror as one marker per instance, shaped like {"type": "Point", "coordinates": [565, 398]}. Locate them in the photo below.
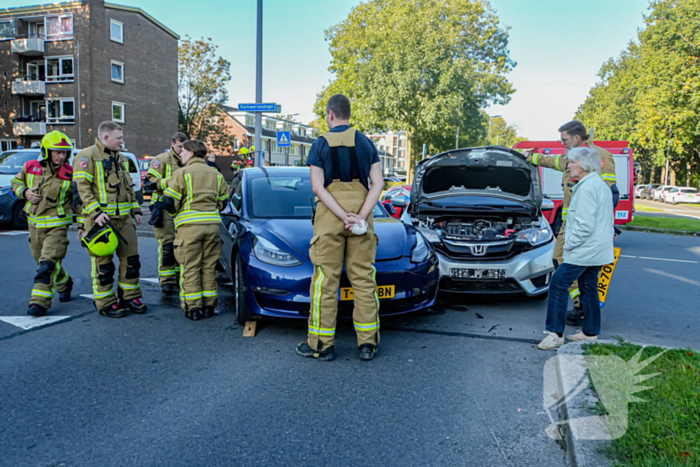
{"type": "Point", "coordinates": [547, 205]}
{"type": "Point", "coordinates": [390, 209]}
{"type": "Point", "coordinates": [399, 201]}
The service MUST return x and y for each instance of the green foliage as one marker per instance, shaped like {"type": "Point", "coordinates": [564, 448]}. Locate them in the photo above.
{"type": "Point", "coordinates": [423, 67]}
{"type": "Point", "coordinates": [202, 79]}
{"type": "Point", "coordinates": [502, 134]}
{"type": "Point", "coordinates": [650, 94]}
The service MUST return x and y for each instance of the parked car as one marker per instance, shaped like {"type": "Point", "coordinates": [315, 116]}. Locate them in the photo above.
{"type": "Point", "coordinates": [266, 229]}
{"type": "Point", "coordinates": [133, 171]}
{"type": "Point", "coordinates": [481, 209]}
{"type": "Point", "coordinates": [638, 191]}
{"type": "Point", "coordinates": [648, 191]}
{"type": "Point", "coordinates": [11, 208]}
{"type": "Point", "coordinates": [682, 195]}
{"type": "Point", "coordinates": [391, 179]}
{"type": "Point", "coordinates": [657, 194]}
{"type": "Point", "coordinates": [400, 190]}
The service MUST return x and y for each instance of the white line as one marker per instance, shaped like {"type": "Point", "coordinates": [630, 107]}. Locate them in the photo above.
{"type": "Point", "coordinates": [627, 256]}
{"type": "Point", "coordinates": [672, 276]}
{"type": "Point", "coordinates": [14, 232]}
{"type": "Point", "coordinates": [29, 322]}
{"type": "Point", "coordinates": [672, 260]}
{"type": "Point", "coordinates": [150, 280]}
{"type": "Point", "coordinates": [90, 296]}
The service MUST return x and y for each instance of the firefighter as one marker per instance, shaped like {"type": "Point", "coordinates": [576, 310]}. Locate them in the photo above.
{"type": "Point", "coordinates": [195, 195]}
{"type": "Point", "coordinates": [341, 162]}
{"type": "Point", "coordinates": [107, 195]}
{"type": "Point", "coordinates": [574, 135]}
{"type": "Point", "coordinates": [45, 184]}
{"type": "Point", "coordinates": [161, 169]}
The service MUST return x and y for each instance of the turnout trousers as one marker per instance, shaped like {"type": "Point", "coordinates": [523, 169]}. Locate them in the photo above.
{"type": "Point", "coordinates": [168, 267]}
{"type": "Point", "coordinates": [49, 247]}
{"type": "Point", "coordinates": [197, 249]}
{"type": "Point", "coordinates": [574, 291]}
{"type": "Point", "coordinates": [331, 241]}
{"type": "Point", "coordinates": [102, 267]}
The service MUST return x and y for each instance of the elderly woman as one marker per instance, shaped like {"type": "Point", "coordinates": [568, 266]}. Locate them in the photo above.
{"type": "Point", "coordinates": [588, 245]}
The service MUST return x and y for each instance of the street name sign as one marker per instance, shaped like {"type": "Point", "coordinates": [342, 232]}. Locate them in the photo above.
{"type": "Point", "coordinates": [266, 107]}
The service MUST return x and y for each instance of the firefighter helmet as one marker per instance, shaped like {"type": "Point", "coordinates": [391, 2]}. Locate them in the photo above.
{"type": "Point", "coordinates": [56, 141]}
{"type": "Point", "coordinates": [101, 241]}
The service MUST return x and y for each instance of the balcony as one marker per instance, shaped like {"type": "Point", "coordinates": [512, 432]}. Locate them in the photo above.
{"type": "Point", "coordinates": [29, 87]}
{"type": "Point", "coordinates": [29, 46]}
{"type": "Point", "coordinates": [29, 128]}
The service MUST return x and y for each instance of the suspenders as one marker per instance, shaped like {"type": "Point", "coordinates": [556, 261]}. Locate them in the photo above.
{"type": "Point", "coordinates": [354, 165]}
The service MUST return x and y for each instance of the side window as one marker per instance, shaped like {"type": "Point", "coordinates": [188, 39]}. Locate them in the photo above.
{"type": "Point", "coordinates": [236, 194]}
{"type": "Point", "coordinates": [132, 166]}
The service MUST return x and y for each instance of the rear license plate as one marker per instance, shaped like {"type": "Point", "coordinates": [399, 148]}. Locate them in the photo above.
{"type": "Point", "coordinates": [478, 274]}
{"type": "Point", "coordinates": [383, 292]}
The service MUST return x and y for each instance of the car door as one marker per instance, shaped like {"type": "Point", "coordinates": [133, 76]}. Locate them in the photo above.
{"type": "Point", "coordinates": [230, 222]}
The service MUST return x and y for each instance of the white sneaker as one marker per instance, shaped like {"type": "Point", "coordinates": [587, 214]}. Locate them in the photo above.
{"type": "Point", "coordinates": [580, 336]}
{"type": "Point", "coordinates": [551, 342]}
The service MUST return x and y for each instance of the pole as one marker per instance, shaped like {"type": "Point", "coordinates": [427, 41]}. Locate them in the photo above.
{"type": "Point", "coordinates": [668, 150]}
{"type": "Point", "coordinates": [459, 115]}
{"type": "Point", "coordinates": [258, 86]}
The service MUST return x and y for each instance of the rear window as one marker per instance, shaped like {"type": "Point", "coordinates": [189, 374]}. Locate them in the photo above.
{"type": "Point", "coordinates": [11, 162]}
{"type": "Point", "coordinates": [689, 190]}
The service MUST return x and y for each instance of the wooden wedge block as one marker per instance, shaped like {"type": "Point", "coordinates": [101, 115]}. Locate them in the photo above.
{"type": "Point", "coordinates": [249, 329]}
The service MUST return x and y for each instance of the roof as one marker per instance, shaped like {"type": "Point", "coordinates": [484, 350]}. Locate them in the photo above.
{"type": "Point", "coordinates": [66, 5]}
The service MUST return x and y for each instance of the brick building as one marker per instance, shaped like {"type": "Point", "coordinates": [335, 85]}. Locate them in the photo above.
{"type": "Point", "coordinates": [396, 144]}
{"type": "Point", "coordinates": [70, 66]}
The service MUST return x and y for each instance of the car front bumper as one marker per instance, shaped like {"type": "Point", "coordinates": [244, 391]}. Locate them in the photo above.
{"type": "Point", "coordinates": [528, 272]}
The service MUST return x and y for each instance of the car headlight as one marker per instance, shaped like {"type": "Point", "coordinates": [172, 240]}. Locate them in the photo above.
{"type": "Point", "coordinates": [535, 236]}
{"type": "Point", "coordinates": [429, 235]}
{"type": "Point", "coordinates": [270, 254]}
{"type": "Point", "coordinates": [421, 251]}
{"type": "Point", "coordinates": [5, 190]}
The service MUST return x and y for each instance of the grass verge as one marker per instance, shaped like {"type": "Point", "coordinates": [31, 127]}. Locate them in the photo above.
{"type": "Point", "coordinates": [644, 208]}
{"type": "Point", "coordinates": [665, 430]}
{"type": "Point", "coordinates": [667, 223]}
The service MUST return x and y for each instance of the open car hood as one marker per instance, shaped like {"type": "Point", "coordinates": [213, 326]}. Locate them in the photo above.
{"type": "Point", "coordinates": [493, 171]}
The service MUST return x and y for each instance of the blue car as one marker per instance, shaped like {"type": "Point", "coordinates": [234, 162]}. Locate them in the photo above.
{"type": "Point", "coordinates": [266, 229]}
{"type": "Point", "coordinates": [11, 208]}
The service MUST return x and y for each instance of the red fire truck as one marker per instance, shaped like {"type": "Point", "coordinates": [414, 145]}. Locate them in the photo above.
{"type": "Point", "coordinates": [551, 179]}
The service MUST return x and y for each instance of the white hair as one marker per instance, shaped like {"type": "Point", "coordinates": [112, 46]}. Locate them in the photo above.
{"type": "Point", "coordinates": [588, 159]}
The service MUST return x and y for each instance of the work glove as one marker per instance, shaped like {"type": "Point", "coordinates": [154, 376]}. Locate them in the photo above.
{"type": "Point", "coordinates": [156, 215]}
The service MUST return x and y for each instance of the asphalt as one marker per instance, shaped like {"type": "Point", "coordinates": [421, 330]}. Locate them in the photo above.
{"type": "Point", "coordinates": [460, 384]}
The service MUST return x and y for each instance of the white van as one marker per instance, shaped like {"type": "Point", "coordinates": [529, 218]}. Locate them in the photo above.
{"type": "Point", "coordinates": [133, 171]}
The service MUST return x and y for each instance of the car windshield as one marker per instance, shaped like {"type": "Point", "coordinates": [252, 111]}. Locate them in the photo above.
{"type": "Point", "coordinates": [285, 197]}
{"type": "Point", "coordinates": [11, 162]}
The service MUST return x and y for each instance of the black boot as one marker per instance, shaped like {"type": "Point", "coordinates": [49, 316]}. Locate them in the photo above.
{"type": "Point", "coordinates": [113, 311]}
{"type": "Point", "coordinates": [367, 351]}
{"type": "Point", "coordinates": [65, 295]}
{"type": "Point", "coordinates": [168, 289]}
{"type": "Point", "coordinates": [208, 311]}
{"type": "Point", "coordinates": [305, 350]}
{"type": "Point", "coordinates": [36, 310]}
{"type": "Point", "coordinates": [195, 314]}
{"type": "Point", "coordinates": [136, 306]}
{"type": "Point", "coordinates": [575, 317]}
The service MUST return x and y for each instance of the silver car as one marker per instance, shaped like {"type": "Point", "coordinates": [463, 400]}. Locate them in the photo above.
{"type": "Point", "coordinates": [481, 209]}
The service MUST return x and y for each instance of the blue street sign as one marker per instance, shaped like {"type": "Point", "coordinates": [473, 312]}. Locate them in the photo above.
{"type": "Point", "coordinates": [268, 107]}
{"type": "Point", "coordinates": [283, 139]}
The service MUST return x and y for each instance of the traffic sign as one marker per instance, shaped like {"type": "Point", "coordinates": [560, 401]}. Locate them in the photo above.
{"type": "Point", "coordinates": [268, 107]}
{"type": "Point", "coordinates": [283, 139]}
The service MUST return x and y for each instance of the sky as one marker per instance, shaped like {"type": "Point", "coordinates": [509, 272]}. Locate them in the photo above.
{"type": "Point", "coordinates": [559, 46]}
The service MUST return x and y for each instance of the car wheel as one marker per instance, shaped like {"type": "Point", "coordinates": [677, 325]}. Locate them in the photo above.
{"type": "Point", "coordinates": [19, 217]}
{"type": "Point", "coordinates": [242, 314]}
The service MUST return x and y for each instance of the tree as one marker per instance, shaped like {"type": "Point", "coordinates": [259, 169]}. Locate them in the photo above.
{"type": "Point", "coordinates": [202, 91]}
{"type": "Point", "coordinates": [503, 134]}
{"type": "Point", "coordinates": [423, 67]}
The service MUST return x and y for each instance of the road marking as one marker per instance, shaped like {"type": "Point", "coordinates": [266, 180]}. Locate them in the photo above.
{"type": "Point", "coordinates": [14, 232]}
{"type": "Point", "coordinates": [149, 279]}
{"type": "Point", "coordinates": [90, 296]}
{"type": "Point", "coordinates": [672, 260]}
{"type": "Point", "coordinates": [29, 322]}
{"type": "Point", "coordinates": [627, 256]}
{"type": "Point", "coordinates": [673, 276]}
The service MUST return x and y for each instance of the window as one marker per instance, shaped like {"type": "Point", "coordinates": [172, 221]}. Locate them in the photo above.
{"type": "Point", "coordinates": [59, 69]}
{"type": "Point", "coordinates": [116, 31]}
{"type": "Point", "coordinates": [273, 147]}
{"type": "Point", "coordinates": [236, 144]}
{"type": "Point", "coordinates": [61, 110]}
{"type": "Point", "coordinates": [7, 144]}
{"type": "Point", "coordinates": [249, 121]}
{"type": "Point", "coordinates": [270, 125]}
{"type": "Point", "coordinates": [7, 29]}
{"type": "Point", "coordinates": [236, 194]}
{"type": "Point", "coordinates": [117, 72]}
{"type": "Point", "coordinates": [59, 27]}
{"type": "Point", "coordinates": [118, 112]}
{"type": "Point", "coordinates": [295, 150]}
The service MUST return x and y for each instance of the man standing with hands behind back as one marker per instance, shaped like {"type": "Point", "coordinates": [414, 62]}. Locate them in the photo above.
{"type": "Point", "coordinates": [341, 162]}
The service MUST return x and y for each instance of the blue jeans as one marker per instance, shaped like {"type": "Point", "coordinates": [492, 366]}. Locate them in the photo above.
{"type": "Point", "coordinates": [559, 298]}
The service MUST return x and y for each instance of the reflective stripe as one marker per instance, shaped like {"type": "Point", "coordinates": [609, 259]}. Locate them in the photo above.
{"type": "Point", "coordinates": [19, 190]}
{"type": "Point", "coordinates": [534, 158]}
{"type": "Point", "coordinates": [155, 197]}
{"type": "Point", "coordinates": [188, 180]}
{"type": "Point", "coordinates": [316, 305]}
{"type": "Point", "coordinates": [366, 326]}
{"type": "Point", "coordinates": [101, 182]}
{"type": "Point", "coordinates": [48, 221]}
{"type": "Point", "coordinates": [62, 198]}
{"type": "Point", "coordinates": [42, 293]}
{"type": "Point", "coordinates": [172, 194]}
{"type": "Point", "coordinates": [92, 207]}
{"type": "Point", "coordinates": [191, 295]}
{"type": "Point", "coordinates": [376, 297]}
{"type": "Point", "coordinates": [321, 331]}
{"type": "Point", "coordinates": [84, 175]}
{"type": "Point", "coordinates": [574, 293]}
{"type": "Point", "coordinates": [564, 213]}
{"type": "Point", "coordinates": [130, 286]}
{"type": "Point", "coordinates": [556, 161]}
{"type": "Point", "coordinates": [209, 293]}
{"type": "Point", "coordinates": [171, 272]}
{"type": "Point", "coordinates": [610, 177]}
{"type": "Point", "coordinates": [17, 181]}
{"type": "Point", "coordinates": [95, 289]}
{"type": "Point", "coordinates": [80, 220]}
{"type": "Point", "coordinates": [192, 217]}
{"type": "Point", "coordinates": [154, 173]}
{"type": "Point", "coordinates": [30, 184]}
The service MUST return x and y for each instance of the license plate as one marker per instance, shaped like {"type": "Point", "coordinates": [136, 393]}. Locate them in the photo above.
{"type": "Point", "coordinates": [604, 278]}
{"type": "Point", "coordinates": [383, 292]}
{"type": "Point", "coordinates": [478, 274]}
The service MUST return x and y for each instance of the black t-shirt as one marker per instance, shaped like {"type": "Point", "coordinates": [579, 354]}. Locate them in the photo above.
{"type": "Point", "coordinates": [320, 156]}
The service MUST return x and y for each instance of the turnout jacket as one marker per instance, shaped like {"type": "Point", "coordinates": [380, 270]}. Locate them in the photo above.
{"type": "Point", "coordinates": [104, 184]}
{"type": "Point", "coordinates": [195, 194]}
{"type": "Point", "coordinates": [560, 162]}
{"type": "Point", "coordinates": [161, 169]}
{"type": "Point", "coordinates": [54, 185]}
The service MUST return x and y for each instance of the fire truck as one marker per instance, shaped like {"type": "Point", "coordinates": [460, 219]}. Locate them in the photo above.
{"type": "Point", "coordinates": [551, 179]}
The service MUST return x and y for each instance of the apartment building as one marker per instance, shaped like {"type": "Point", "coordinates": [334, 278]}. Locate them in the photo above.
{"type": "Point", "coordinates": [70, 66]}
{"type": "Point", "coordinates": [395, 143]}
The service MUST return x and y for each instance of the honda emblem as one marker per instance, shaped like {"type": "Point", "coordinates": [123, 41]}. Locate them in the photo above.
{"type": "Point", "coordinates": [478, 250]}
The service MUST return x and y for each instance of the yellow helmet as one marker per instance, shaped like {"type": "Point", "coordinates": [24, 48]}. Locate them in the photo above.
{"type": "Point", "coordinates": [57, 141]}
{"type": "Point", "coordinates": [101, 241]}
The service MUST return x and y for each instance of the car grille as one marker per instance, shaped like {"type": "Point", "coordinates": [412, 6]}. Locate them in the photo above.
{"type": "Point", "coordinates": [493, 252]}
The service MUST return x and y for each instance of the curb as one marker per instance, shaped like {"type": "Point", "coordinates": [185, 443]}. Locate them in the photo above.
{"type": "Point", "coordinates": [663, 231]}
{"type": "Point", "coordinates": [584, 453]}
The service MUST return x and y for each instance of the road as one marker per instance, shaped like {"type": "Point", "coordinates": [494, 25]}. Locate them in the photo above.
{"type": "Point", "coordinates": [678, 210]}
{"type": "Point", "coordinates": [457, 385]}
